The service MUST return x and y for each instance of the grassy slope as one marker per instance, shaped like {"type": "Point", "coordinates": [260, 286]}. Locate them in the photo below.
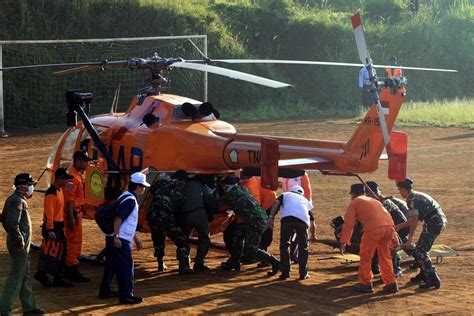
{"type": "Point", "coordinates": [440, 35]}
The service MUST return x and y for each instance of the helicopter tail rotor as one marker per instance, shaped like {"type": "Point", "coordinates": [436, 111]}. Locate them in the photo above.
{"type": "Point", "coordinates": [359, 35]}
{"type": "Point", "coordinates": [365, 58]}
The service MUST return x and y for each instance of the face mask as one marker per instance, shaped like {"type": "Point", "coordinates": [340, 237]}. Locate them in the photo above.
{"type": "Point", "coordinates": [30, 190]}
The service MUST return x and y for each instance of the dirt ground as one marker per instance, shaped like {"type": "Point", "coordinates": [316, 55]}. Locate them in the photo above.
{"type": "Point", "coordinates": [440, 161]}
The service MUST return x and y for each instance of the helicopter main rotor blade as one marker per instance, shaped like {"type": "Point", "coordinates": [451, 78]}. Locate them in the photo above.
{"type": "Point", "coordinates": [231, 74]}
{"type": "Point", "coordinates": [92, 67]}
{"type": "Point", "coordinates": [322, 63]}
{"type": "Point", "coordinates": [64, 65]}
{"type": "Point", "coordinates": [282, 61]}
{"type": "Point", "coordinates": [76, 70]}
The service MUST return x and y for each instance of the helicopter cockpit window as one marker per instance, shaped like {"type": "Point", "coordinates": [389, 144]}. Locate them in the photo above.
{"type": "Point", "coordinates": [188, 111]}
{"type": "Point", "coordinates": [69, 145]}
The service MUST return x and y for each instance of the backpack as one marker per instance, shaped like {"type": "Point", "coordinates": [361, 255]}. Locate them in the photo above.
{"type": "Point", "coordinates": [105, 215]}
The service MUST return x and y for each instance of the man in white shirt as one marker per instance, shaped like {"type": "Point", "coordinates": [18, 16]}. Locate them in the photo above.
{"type": "Point", "coordinates": [119, 260]}
{"type": "Point", "coordinates": [294, 219]}
{"type": "Point", "coordinates": [303, 181]}
{"type": "Point", "coordinates": [365, 86]}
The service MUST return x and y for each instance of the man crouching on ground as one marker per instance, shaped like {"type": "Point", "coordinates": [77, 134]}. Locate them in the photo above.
{"type": "Point", "coordinates": [379, 233]}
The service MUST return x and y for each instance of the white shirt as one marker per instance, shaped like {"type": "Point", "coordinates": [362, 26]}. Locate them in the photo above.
{"type": "Point", "coordinates": [129, 225]}
{"type": "Point", "coordinates": [296, 205]}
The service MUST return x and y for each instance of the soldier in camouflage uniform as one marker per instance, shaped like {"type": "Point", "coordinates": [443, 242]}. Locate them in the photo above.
{"type": "Point", "coordinates": [398, 218]}
{"type": "Point", "coordinates": [422, 207]}
{"type": "Point", "coordinates": [402, 205]}
{"type": "Point", "coordinates": [254, 219]}
{"type": "Point", "coordinates": [161, 219]}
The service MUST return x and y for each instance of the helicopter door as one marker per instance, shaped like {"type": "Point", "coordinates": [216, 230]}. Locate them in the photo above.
{"type": "Point", "coordinates": [52, 162]}
{"type": "Point", "coordinates": [68, 148]}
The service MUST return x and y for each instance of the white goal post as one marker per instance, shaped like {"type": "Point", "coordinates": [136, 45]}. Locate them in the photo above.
{"type": "Point", "coordinates": [25, 52]}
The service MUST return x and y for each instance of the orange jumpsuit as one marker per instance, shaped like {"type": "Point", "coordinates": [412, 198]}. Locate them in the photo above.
{"type": "Point", "coordinates": [264, 197]}
{"type": "Point", "coordinates": [393, 72]}
{"type": "Point", "coordinates": [302, 181]}
{"type": "Point", "coordinates": [74, 192]}
{"type": "Point", "coordinates": [379, 233]}
{"type": "Point", "coordinates": [53, 208]}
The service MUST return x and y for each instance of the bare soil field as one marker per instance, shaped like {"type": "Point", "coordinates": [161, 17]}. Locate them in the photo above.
{"type": "Point", "coordinates": [440, 161]}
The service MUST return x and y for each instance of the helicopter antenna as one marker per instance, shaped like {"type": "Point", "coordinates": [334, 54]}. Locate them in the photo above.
{"type": "Point", "coordinates": [113, 107]}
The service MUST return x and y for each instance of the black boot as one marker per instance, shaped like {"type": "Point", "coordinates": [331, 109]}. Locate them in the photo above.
{"type": "Point", "coordinates": [61, 282]}
{"type": "Point", "coordinates": [184, 268]}
{"type": "Point", "coordinates": [42, 278]}
{"type": "Point", "coordinates": [200, 267]}
{"type": "Point", "coordinates": [161, 265]}
{"type": "Point", "coordinates": [275, 266]}
{"type": "Point", "coordinates": [230, 265]}
{"type": "Point", "coordinates": [431, 281]}
{"type": "Point", "coordinates": [420, 277]}
{"type": "Point", "coordinates": [74, 275]}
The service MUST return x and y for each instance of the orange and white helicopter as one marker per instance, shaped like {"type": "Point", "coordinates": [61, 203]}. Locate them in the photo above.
{"type": "Point", "coordinates": [165, 132]}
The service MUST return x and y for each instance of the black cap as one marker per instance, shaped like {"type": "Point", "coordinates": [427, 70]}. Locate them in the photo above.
{"type": "Point", "coordinates": [357, 188]}
{"type": "Point", "coordinates": [407, 184]}
{"type": "Point", "coordinates": [82, 155]}
{"type": "Point", "coordinates": [24, 179]}
{"type": "Point", "coordinates": [181, 175]}
{"type": "Point", "coordinates": [62, 173]}
{"type": "Point", "coordinates": [337, 221]}
{"type": "Point", "coordinates": [373, 186]}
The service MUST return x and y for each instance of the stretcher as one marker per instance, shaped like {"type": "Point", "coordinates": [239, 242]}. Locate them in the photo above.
{"type": "Point", "coordinates": [437, 251]}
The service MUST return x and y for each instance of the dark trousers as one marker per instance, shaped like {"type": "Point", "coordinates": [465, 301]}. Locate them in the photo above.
{"type": "Point", "coordinates": [198, 220]}
{"type": "Point", "coordinates": [118, 261]}
{"type": "Point", "coordinates": [58, 229]}
{"type": "Point", "coordinates": [288, 227]}
{"type": "Point", "coordinates": [18, 282]}
{"type": "Point", "coordinates": [267, 239]}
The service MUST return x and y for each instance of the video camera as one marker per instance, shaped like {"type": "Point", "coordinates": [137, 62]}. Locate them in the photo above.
{"type": "Point", "coordinates": [74, 99]}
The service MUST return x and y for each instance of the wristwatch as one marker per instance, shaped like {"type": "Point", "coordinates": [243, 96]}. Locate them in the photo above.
{"type": "Point", "coordinates": [115, 236]}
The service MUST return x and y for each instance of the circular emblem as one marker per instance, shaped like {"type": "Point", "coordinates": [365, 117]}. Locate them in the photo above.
{"type": "Point", "coordinates": [96, 184]}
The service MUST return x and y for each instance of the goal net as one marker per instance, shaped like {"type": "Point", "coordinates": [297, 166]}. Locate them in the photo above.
{"type": "Point", "coordinates": [35, 97]}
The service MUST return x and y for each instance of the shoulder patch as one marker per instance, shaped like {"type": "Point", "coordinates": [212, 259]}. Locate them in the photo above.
{"type": "Point", "coordinates": [69, 186]}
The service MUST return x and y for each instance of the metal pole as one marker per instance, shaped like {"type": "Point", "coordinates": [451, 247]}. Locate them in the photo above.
{"type": "Point", "coordinates": [205, 73]}
{"type": "Point", "coordinates": [2, 121]}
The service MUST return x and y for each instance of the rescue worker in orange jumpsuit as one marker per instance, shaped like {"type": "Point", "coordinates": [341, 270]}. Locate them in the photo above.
{"type": "Point", "coordinates": [74, 202]}
{"type": "Point", "coordinates": [53, 228]}
{"type": "Point", "coordinates": [393, 72]}
{"type": "Point", "coordinates": [379, 233]}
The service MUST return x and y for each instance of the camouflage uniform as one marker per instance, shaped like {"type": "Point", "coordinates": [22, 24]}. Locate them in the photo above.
{"type": "Point", "coordinates": [244, 205]}
{"type": "Point", "coordinates": [402, 205]}
{"type": "Point", "coordinates": [427, 210]}
{"type": "Point", "coordinates": [161, 219]}
{"type": "Point", "coordinates": [397, 216]}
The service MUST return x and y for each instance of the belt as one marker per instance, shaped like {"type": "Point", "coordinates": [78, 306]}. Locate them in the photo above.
{"type": "Point", "coordinates": [430, 215]}
{"type": "Point", "coordinates": [194, 210]}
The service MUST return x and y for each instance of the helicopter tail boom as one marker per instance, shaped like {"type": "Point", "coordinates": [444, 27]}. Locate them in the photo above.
{"type": "Point", "coordinates": [367, 143]}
